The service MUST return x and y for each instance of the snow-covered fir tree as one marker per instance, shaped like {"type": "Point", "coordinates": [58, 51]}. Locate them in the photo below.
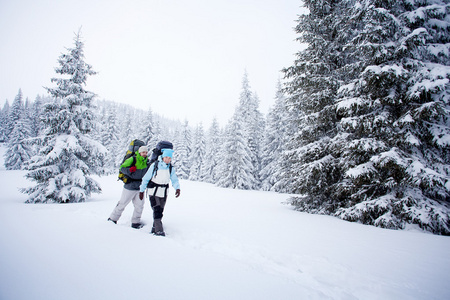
{"type": "Point", "coordinates": [27, 105]}
{"type": "Point", "coordinates": [110, 138]}
{"type": "Point", "coordinates": [253, 128]}
{"type": "Point", "coordinates": [311, 90]}
{"type": "Point", "coordinates": [127, 126]}
{"type": "Point", "coordinates": [68, 155]}
{"type": "Point", "coordinates": [183, 152]}
{"type": "Point", "coordinates": [406, 83]}
{"type": "Point", "coordinates": [275, 138]}
{"type": "Point", "coordinates": [149, 131]}
{"type": "Point", "coordinates": [212, 155]}
{"type": "Point", "coordinates": [176, 141]}
{"type": "Point", "coordinates": [16, 111]}
{"type": "Point", "coordinates": [372, 89]}
{"type": "Point", "coordinates": [18, 152]}
{"type": "Point", "coordinates": [18, 149]}
{"type": "Point", "coordinates": [157, 135]}
{"type": "Point", "coordinates": [35, 115]}
{"type": "Point", "coordinates": [197, 158]}
{"type": "Point", "coordinates": [236, 169]}
{"type": "Point", "coordinates": [256, 129]}
{"type": "Point", "coordinates": [102, 120]}
{"type": "Point", "coordinates": [4, 120]}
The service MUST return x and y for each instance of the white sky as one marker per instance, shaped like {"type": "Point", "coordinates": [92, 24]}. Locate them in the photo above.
{"type": "Point", "coordinates": [184, 59]}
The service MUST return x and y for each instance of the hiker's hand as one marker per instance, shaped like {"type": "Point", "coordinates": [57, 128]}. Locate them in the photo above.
{"type": "Point", "coordinates": [141, 195]}
{"type": "Point", "coordinates": [132, 169]}
{"type": "Point", "coordinates": [177, 193]}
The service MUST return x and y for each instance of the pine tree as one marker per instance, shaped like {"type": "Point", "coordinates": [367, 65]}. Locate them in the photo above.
{"type": "Point", "coordinates": [68, 155]}
{"type": "Point", "coordinates": [404, 86]}
{"type": "Point", "coordinates": [212, 156]}
{"type": "Point", "coordinates": [111, 139]}
{"type": "Point", "coordinates": [183, 152]}
{"type": "Point", "coordinates": [149, 132]}
{"type": "Point", "coordinates": [256, 130]}
{"type": "Point", "coordinates": [127, 125]}
{"type": "Point", "coordinates": [176, 141]}
{"type": "Point", "coordinates": [377, 151]}
{"type": "Point", "coordinates": [19, 127]}
{"type": "Point", "coordinates": [307, 165]}
{"type": "Point", "coordinates": [275, 138]}
{"type": "Point", "coordinates": [35, 114]}
{"type": "Point", "coordinates": [16, 111]}
{"type": "Point", "coordinates": [158, 135]}
{"type": "Point", "coordinates": [19, 152]}
{"type": "Point", "coordinates": [197, 158]}
{"type": "Point", "coordinates": [4, 122]}
{"type": "Point", "coordinates": [253, 128]}
{"type": "Point", "coordinates": [235, 169]}
{"type": "Point", "coordinates": [27, 106]}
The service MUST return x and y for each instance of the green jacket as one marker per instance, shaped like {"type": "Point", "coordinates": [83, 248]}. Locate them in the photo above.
{"type": "Point", "coordinates": [136, 177]}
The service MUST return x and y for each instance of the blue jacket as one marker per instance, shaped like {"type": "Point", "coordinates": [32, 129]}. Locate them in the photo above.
{"type": "Point", "coordinates": [162, 167]}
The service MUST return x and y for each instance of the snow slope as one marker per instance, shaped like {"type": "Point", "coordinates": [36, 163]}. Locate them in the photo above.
{"type": "Point", "coordinates": [220, 244]}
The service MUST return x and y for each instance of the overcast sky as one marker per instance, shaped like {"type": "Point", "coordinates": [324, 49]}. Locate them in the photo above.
{"type": "Point", "coordinates": [184, 59]}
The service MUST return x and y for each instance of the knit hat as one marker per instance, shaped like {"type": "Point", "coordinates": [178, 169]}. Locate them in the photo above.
{"type": "Point", "coordinates": [143, 149]}
{"type": "Point", "coordinates": [166, 152]}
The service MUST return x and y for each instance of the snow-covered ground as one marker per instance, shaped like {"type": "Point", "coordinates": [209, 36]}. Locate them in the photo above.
{"type": "Point", "coordinates": [220, 244]}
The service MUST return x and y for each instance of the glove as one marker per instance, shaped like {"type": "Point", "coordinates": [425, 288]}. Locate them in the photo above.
{"type": "Point", "coordinates": [141, 195]}
{"type": "Point", "coordinates": [132, 169]}
{"type": "Point", "coordinates": [177, 193]}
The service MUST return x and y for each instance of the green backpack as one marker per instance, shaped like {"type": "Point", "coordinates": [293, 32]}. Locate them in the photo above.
{"type": "Point", "coordinates": [132, 148]}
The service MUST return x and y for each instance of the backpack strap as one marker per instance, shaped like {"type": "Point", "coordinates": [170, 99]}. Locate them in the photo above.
{"type": "Point", "coordinates": [151, 184]}
{"type": "Point", "coordinates": [155, 169]}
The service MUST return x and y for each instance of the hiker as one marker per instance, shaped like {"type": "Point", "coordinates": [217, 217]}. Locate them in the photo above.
{"type": "Point", "coordinates": [134, 168]}
{"type": "Point", "coordinates": [157, 179]}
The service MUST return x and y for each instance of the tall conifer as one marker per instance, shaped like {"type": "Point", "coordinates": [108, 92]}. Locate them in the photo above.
{"type": "Point", "coordinates": [67, 155]}
{"type": "Point", "coordinates": [377, 152]}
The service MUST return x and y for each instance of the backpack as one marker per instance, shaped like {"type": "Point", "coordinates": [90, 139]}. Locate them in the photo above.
{"type": "Point", "coordinates": [156, 152]}
{"type": "Point", "coordinates": [132, 148]}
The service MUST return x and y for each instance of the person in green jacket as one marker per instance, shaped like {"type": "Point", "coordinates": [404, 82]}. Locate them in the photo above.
{"type": "Point", "coordinates": [134, 168]}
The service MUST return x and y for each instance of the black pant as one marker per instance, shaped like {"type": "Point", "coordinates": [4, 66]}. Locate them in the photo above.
{"type": "Point", "coordinates": [157, 204]}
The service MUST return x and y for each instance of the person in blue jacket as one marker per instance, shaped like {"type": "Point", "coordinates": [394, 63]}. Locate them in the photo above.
{"type": "Point", "coordinates": [158, 175]}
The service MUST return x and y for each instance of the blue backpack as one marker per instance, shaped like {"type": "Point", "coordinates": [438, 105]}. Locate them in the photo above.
{"type": "Point", "coordinates": [157, 151]}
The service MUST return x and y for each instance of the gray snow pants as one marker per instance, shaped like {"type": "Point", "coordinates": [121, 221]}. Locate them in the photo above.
{"type": "Point", "coordinates": [127, 196]}
{"type": "Point", "coordinates": [157, 204]}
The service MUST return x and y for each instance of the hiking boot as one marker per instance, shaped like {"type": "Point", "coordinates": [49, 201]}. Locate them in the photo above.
{"type": "Point", "coordinates": [109, 219]}
{"type": "Point", "coordinates": [153, 230]}
{"type": "Point", "coordinates": [137, 225]}
{"type": "Point", "coordinates": [160, 233]}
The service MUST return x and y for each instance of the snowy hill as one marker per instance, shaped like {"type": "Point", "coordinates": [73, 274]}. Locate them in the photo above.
{"type": "Point", "coordinates": [220, 244]}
